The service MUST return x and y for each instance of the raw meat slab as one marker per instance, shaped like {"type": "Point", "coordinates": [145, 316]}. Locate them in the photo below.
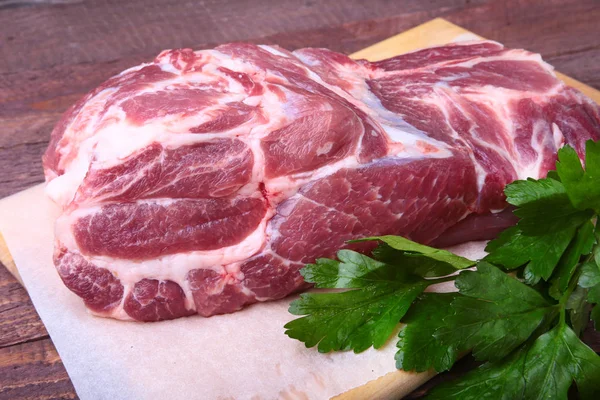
{"type": "Point", "coordinates": [203, 181]}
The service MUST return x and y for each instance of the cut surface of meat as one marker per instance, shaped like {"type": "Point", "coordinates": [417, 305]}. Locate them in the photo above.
{"type": "Point", "coordinates": [203, 181]}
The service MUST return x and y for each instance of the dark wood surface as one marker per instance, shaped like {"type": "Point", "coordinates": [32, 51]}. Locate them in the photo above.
{"type": "Point", "coordinates": [53, 51]}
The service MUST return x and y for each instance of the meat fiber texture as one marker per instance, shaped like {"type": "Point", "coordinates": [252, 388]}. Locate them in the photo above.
{"type": "Point", "coordinates": [203, 181]}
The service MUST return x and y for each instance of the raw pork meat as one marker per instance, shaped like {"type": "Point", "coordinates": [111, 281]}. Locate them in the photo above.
{"type": "Point", "coordinates": [203, 181]}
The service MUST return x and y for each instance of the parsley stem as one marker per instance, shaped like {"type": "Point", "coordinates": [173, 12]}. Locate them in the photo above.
{"type": "Point", "coordinates": [572, 285]}
{"type": "Point", "coordinates": [573, 282]}
{"type": "Point", "coordinates": [562, 315]}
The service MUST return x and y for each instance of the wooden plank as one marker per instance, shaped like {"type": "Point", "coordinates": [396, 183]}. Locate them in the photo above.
{"type": "Point", "coordinates": [102, 31]}
{"type": "Point", "coordinates": [7, 260]}
{"type": "Point", "coordinates": [33, 370]}
{"type": "Point", "coordinates": [19, 320]}
{"type": "Point", "coordinates": [435, 32]}
{"type": "Point", "coordinates": [394, 385]}
{"type": "Point", "coordinates": [94, 32]}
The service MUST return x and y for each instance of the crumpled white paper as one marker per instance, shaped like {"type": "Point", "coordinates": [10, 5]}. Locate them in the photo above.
{"type": "Point", "coordinates": [244, 355]}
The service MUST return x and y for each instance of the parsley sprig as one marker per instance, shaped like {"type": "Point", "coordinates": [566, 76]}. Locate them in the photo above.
{"type": "Point", "coordinates": [520, 311]}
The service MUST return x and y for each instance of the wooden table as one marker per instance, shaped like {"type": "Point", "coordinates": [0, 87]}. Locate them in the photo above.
{"type": "Point", "coordinates": [53, 51]}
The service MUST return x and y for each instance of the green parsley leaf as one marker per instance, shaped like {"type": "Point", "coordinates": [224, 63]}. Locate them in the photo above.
{"type": "Point", "coordinates": [513, 248]}
{"type": "Point", "coordinates": [590, 275]}
{"type": "Point", "coordinates": [415, 263]}
{"type": "Point", "coordinates": [594, 294]}
{"type": "Point", "coordinates": [547, 224]}
{"type": "Point", "coordinates": [418, 349]}
{"type": "Point", "coordinates": [555, 359]}
{"type": "Point", "coordinates": [353, 270]}
{"type": "Point", "coordinates": [578, 309]}
{"type": "Point", "coordinates": [543, 206]}
{"type": "Point", "coordinates": [546, 370]}
{"type": "Point", "coordinates": [523, 192]}
{"type": "Point", "coordinates": [501, 380]}
{"type": "Point", "coordinates": [496, 314]}
{"type": "Point", "coordinates": [354, 319]}
{"type": "Point", "coordinates": [581, 245]}
{"type": "Point", "coordinates": [583, 187]}
{"type": "Point", "coordinates": [408, 246]}
{"type": "Point", "coordinates": [553, 175]}
{"type": "Point", "coordinates": [596, 249]}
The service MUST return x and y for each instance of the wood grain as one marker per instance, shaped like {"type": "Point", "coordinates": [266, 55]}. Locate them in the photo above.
{"type": "Point", "coordinates": [19, 321]}
{"type": "Point", "coordinates": [7, 260]}
{"type": "Point", "coordinates": [53, 51]}
{"type": "Point", "coordinates": [33, 370]}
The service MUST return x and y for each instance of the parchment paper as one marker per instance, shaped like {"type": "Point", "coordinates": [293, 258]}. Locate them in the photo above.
{"type": "Point", "coordinates": [244, 355]}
